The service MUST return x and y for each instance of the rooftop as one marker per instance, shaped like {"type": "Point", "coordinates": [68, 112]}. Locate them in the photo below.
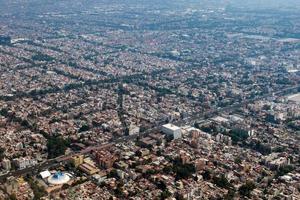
{"type": "Point", "coordinates": [294, 97]}
{"type": "Point", "coordinates": [171, 127]}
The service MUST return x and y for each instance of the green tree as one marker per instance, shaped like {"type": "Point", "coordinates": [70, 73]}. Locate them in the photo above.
{"type": "Point", "coordinates": [183, 171]}
{"type": "Point", "coordinates": [247, 188]}
{"type": "Point", "coordinates": [113, 174]}
{"type": "Point", "coordinates": [42, 57]}
{"type": "Point", "coordinates": [284, 170]}
{"type": "Point", "coordinates": [38, 191]}
{"type": "Point", "coordinates": [230, 195]}
{"type": "Point", "coordinates": [165, 194]}
{"type": "Point", "coordinates": [84, 128]}
{"type": "Point", "coordinates": [206, 175]}
{"type": "Point", "coordinates": [238, 135]}
{"type": "Point", "coordinates": [238, 160]}
{"type": "Point", "coordinates": [167, 169]}
{"type": "Point", "coordinates": [221, 181]}
{"type": "Point", "coordinates": [56, 146]}
{"type": "Point", "coordinates": [119, 190]}
{"type": "Point", "coordinates": [12, 197]}
{"type": "Point", "coordinates": [2, 153]}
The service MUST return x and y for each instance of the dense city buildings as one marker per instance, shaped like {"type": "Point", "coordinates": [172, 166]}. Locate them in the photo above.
{"type": "Point", "coordinates": [142, 100]}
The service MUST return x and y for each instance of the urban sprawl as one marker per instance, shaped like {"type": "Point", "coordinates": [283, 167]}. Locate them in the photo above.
{"type": "Point", "coordinates": [145, 100]}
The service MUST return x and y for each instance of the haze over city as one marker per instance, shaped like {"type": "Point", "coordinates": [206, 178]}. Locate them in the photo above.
{"type": "Point", "coordinates": [149, 100]}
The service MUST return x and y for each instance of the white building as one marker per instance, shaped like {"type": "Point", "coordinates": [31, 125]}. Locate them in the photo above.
{"type": "Point", "coordinates": [45, 174]}
{"type": "Point", "coordinates": [224, 139]}
{"type": "Point", "coordinates": [172, 131]}
{"type": "Point", "coordinates": [133, 129]}
{"type": "Point", "coordinates": [59, 178]}
{"type": "Point", "coordinates": [6, 164]}
{"type": "Point", "coordinates": [23, 163]}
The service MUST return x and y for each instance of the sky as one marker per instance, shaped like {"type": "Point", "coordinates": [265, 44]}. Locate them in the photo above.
{"type": "Point", "coordinates": [267, 3]}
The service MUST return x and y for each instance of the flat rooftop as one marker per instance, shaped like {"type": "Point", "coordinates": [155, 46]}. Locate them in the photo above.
{"type": "Point", "coordinates": [294, 97]}
{"type": "Point", "coordinates": [171, 127]}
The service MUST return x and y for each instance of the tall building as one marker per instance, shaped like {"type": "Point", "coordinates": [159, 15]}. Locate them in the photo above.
{"type": "Point", "coordinates": [105, 159]}
{"type": "Point", "coordinates": [77, 160]}
{"type": "Point", "coordinates": [172, 131]}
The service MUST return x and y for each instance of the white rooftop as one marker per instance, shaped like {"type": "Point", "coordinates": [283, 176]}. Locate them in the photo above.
{"type": "Point", "coordinates": [58, 178]}
{"type": "Point", "coordinates": [171, 127]}
{"type": "Point", "coordinates": [45, 174]}
{"type": "Point", "coordinates": [294, 97]}
{"type": "Point", "coordinates": [219, 119]}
